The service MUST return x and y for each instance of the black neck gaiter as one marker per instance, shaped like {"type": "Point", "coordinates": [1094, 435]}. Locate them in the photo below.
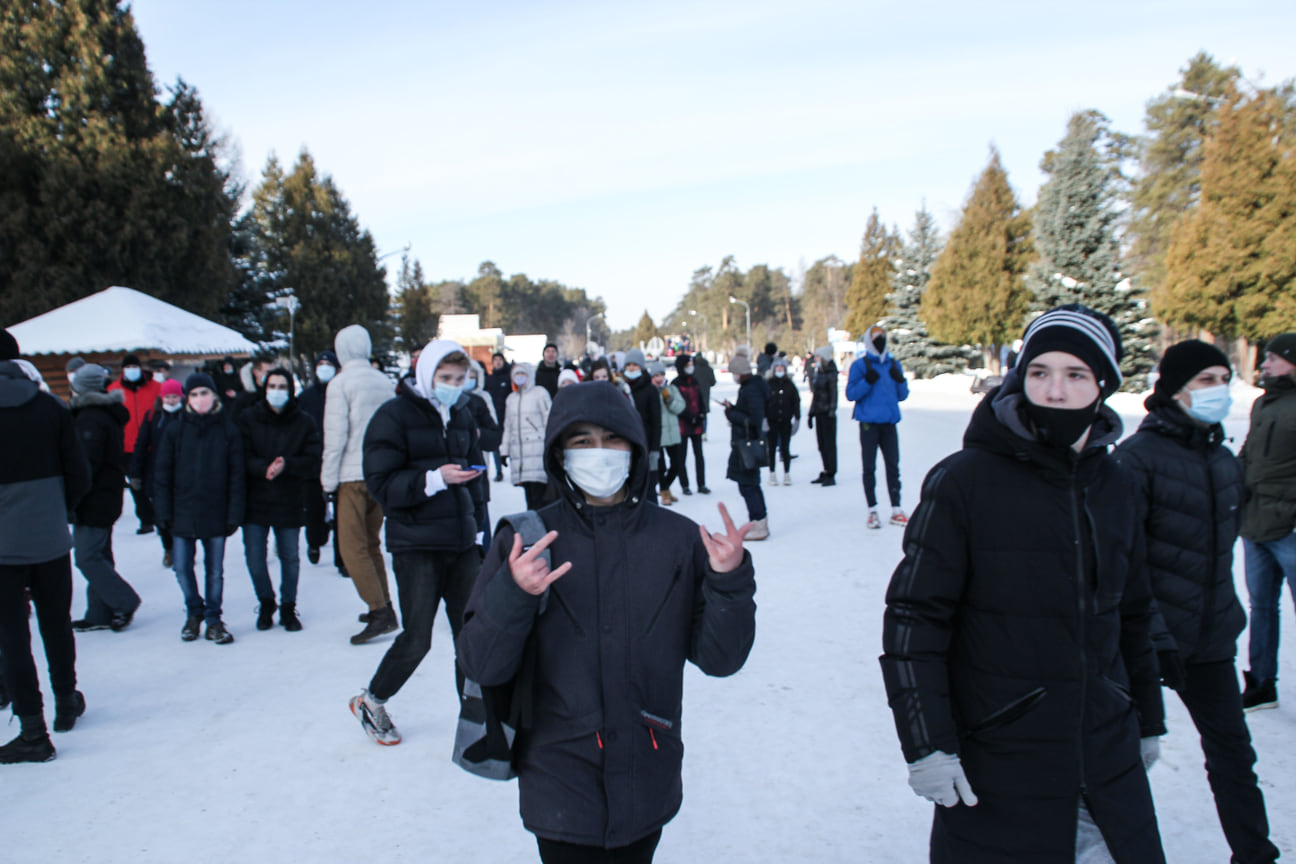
{"type": "Point", "coordinates": [1060, 427]}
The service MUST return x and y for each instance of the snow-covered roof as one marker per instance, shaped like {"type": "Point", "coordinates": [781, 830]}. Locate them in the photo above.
{"type": "Point", "coordinates": [123, 319]}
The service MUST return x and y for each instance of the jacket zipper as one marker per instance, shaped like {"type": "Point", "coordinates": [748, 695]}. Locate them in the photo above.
{"type": "Point", "coordinates": [1208, 586]}
{"type": "Point", "coordinates": [1080, 608]}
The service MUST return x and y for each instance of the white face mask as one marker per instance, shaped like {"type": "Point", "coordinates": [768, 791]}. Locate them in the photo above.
{"type": "Point", "coordinates": [159, 377]}
{"type": "Point", "coordinates": [688, 370]}
{"type": "Point", "coordinates": [277, 398]}
{"type": "Point", "coordinates": [324, 372]}
{"type": "Point", "coordinates": [599, 473]}
{"type": "Point", "coordinates": [779, 372]}
{"type": "Point", "coordinates": [171, 409]}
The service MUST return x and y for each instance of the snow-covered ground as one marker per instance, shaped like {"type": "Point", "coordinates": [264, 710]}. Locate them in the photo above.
{"type": "Point", "coordinates": [204, 753]}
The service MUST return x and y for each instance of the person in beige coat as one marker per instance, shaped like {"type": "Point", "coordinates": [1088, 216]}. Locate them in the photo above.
{"type": "Point", "coordinates": [526, 412]}
{"type": "Point", "coordinates": [353, 396]}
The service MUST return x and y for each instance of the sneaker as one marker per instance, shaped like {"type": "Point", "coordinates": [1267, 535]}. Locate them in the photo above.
{"type": "Point", "coordinates": [374, 720]}
{"type": "Point", "coordinates": [312, 554]}
{"type": "Point", "coordinates": [144, 529]}
{"type": "Point", "coordinates": [828, 481]}
{"type": "Point", "coordinates": [66, 711]}
{"type": "Point", "coordinates": [122, 620]}
{"type": "Point", "coordinates": [380, 621]}
{"type": "Point", "coordinates": [1259, 695]}
{"type": "Point", "coordinates": [166, 560]}
{"type": "Point", "coordinates": [217, 633]}
{"type": "Point", "coordinates": [23, 749]}
{"type": "Point", "coordinates": [787, 479]}
{"type": "Point", "coordinates": [898, 517]}
{"type": "Point", "coordinates": [83, 625]}
{"type": "Point", "coordinates": [702, 490]}
{"type": "Point", "coordinates": [189, 632]}
{"type": "Point", "coordinates": [820, 478]}
{"type": "Point", "coordinates": [686, 491]}
{"type": "Point", "coordinates": [288, 617]}
{"type": "Point", "coordinates": [760, 530]}
{"type": "Point", "coordinates": [265, 615]}
{"type": "Point", "coordinates": [874, 521]}
{"type": "Point", "coordinates": [773, 481]}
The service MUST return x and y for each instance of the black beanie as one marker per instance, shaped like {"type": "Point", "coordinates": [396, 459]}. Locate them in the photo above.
{"type": "Point", "coordinates": [130, 360]}
{"type": "Point", "coordinates": [8, 346]}
{"type": "Point", "coordinates": [681, 362]}
{"type": "Point", "coordinates": [1283, 345]}
{"type": "Point", "coordinates": [1081, 332]}
{"type": "Point", "coordinates": [1183, 361]}
{"type": "Point", "coordinates": [199, 379]}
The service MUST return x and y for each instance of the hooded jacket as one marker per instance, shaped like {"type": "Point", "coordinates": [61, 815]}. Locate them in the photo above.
{"type": "Point", "coordinates": [144, 459]}
{"type": "Point", "coordinates": [311, 399]}
{"type": "Point", "coordinates": [489, 430]}
{"type": "Point", "coordinates": [525, 414]}
{"type": "Point", "coordinates": [199, 487]}
{"type": "Point", "coordinates": [408, 437]}
{"type": "Point", "coordinates": [600, 763]}
{"type": "Point", "coordinates": [1269, 463]}
{"type": "Point", "coordinates": [1017, 635]}
{"type": "Point", "coordinates": [100, 420]}
{"type": "Point", "coordinates": [139, 398]}
{"type": "Point", "coordinates": [43, 471]}
{"type": "Point", "coordinates": [1192, 485]}
{"type": "Point", "coordinates": [784, 405]}
{"type": "Point", "coordinates": [268, 434]}
{"type": "Point", "coordinates": [647, 401]}
{"type": "Point", "coordinates": [823, 389]}
{"type": "Point", "coordinates": [355, 393]}
{"type": "Point", "coordinates": [746, 418]}
{"type": "Point", "coordinates": [498, 385]}
{"type": "Point", "coordinates": [879, 401]}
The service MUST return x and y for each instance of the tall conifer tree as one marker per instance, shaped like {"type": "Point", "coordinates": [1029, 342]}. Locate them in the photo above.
{"type": "Point", "coordinates": [866, 299]}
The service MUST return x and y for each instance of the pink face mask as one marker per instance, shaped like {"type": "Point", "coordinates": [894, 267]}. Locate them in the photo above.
{"type": "Point", "coordinates": [202, 403]}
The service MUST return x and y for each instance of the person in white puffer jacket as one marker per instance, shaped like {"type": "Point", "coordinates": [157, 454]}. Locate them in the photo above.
{"type": "Point", "coordinates": [525, 414]}
{"type": "Point", "coordinates": [352, 398]}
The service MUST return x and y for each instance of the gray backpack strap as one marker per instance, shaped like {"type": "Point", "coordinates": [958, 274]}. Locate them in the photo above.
{"type": "Point", "coordinates": [532, 529]}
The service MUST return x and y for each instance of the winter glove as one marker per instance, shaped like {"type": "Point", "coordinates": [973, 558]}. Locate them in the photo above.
{"type": "Point", "coordinates": [504, 461]}
{"type": "Point", "coordinates": [796, 424]}
{"type": "Point", "coordinates": [871, 375]}
{"type": "Point", "coordinates": [1150, 751]}
{"type": "Point", "coordinates": [896, 374]}
{"type": "Point", "coordinates": [136, 483]}
{"type": "Point", "coordinates": [1173, 674]}
{"type": "Point", "coordinates": [939, 778]}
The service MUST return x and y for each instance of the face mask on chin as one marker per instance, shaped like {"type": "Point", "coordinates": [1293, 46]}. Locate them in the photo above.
{"type": "Point", "coordinates": [596, 471]}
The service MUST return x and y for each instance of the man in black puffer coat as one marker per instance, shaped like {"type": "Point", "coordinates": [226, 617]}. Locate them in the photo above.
{"type": "Point", "coordinates": [311, 402]}
{"type": "Point", "coordinates": [418, 450]}
{"type": "Point", "coordinates": [647, 401]}
{"type": "Point", "coordinates": [638, 595]}
{"type": "Point", "coordinates": [1192, 485]}
{"type": "Point", "coordinates": [823, 411]}
{"type": "Point", "coordinates": [1018, 655]}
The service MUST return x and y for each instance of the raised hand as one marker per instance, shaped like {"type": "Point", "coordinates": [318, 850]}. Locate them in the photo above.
{"type": "Point", "coordinates": [529, 569]}
{"type": "Point", "coordinates": [725, 551]}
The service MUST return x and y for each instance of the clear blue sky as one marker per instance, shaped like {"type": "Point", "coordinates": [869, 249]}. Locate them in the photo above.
{"type": "Point", "coordinates": [620, 146]}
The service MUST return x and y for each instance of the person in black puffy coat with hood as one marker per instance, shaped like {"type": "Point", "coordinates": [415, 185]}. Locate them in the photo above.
{"type": "Point", "coordinates": [1192, 485]}
{"type": "Point", "coordinates": [311, 402]}
{"type": "Point", "coordinates": [599, 763]}
{"type": "Point", "coordinates": [1017, 637]}
{"type": "Point", "coordinates": [200, 492]}
{"type": "Point", "coordinates": [281, 452]}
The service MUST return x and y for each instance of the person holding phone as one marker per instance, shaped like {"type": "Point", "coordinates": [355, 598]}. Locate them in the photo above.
{"type": "Point", "coordinates": [417, 453]}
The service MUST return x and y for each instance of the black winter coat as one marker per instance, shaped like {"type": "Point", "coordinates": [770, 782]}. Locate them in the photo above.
{"type": "Point", "coordinates": [546, 376]}
{"type": "Point", "coordinates": [101, 420]}
{"type": "Point", "coordinates": [745, 418]}
{"type": "Point", "coordinates": [311, 403]}
{"type": "Point", "coordinates": [647, 401]}
{"type": "Point", "coordinates": [784, 403]}
{"type": "Point", "coordinates": [1018, 635]}
{"type": "Point", "coordinates": [199, 487]}
{"type": "Point", "coordinates": [600, 763]}
{"type": "Point", "coordinates": [1269, 463]}
{"type": "Point", "coordinates": [404, 441]}
{"type": "Point", "coordinates": [1192, 486]}
{"type": "Point", "coordinates": [706, 379]}
{"type": "Point", "coordinates": [823, 390]}
{"type": "Point", "coordinates": [144, 460]}
{"type": "Point", "coordinates": [499, 385]}
{"type": "Point", "coordinates": [280, 502]}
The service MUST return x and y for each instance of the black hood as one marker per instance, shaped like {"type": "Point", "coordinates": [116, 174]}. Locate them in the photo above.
{"type": "Point", "coordinates": [601, 403]}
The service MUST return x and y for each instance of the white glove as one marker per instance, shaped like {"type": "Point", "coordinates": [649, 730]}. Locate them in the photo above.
{"type": "Point", "coordinates": [1150, 750]}
{"type": "Point", "coordinates": [939, 778]}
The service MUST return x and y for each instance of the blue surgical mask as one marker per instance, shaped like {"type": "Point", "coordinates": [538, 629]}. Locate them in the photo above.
{"type": "Point", "coordinates": [277, 398]}
{"type": "Point", "coordinates": [632, 374]}
{"type": "Point", "coordinates": [446, 394]}
{"type": "Point", "coordinates": [325, 372]}
{"type": "Point", "coordinates": [1210, 404]}
{"type": "Point", "coordinates": [470, 384]}
{"type": "Point", "coordinates": [131, 373]}
{"type": "Point", "coordinates": [779, 372]}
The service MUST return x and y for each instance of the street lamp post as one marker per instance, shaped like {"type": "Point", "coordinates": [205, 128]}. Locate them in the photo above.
{"type": "Point", "coordinates": [747, 309]}
{"type": "Point", "coordinates": [289, 302]}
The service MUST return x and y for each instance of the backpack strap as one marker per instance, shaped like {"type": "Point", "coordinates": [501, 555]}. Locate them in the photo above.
{"type": "Point", "coordinates": [531, 528]}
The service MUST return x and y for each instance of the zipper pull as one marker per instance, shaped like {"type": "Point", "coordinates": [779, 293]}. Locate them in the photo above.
{"type": "Point", "coordinates": [599, 739]}
{"type": "Point", "coordinates": [653, 737]}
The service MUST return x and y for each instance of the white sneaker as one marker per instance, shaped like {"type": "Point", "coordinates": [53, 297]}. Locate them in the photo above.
{"type": "Point", "coordinates": [874, 521]}
{"type": "Point", "coordinates": [773, 481]}
{"type": "Point", "coordinates": [898, 517]}
{"type": "Point", "coordinates": [787, 479]}
{"type": "Point", "coordinates": [760, 530]}
{"type": "Point", "coordinates": [374, 720]}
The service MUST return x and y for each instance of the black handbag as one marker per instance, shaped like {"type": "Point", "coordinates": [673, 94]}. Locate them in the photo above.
{"type": "Point", "coordinates": [752, 452]}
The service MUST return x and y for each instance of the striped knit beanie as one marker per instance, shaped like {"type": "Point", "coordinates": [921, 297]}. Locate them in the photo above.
{"type": "Point", "coordinates": [1081, 332]}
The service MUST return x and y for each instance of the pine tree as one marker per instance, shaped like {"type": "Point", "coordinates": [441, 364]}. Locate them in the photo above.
{"type": "Point", "coordinates": [909, 340]}
{"type": "Point", "coordinates": [416, 320]}
{"type": "Point", "coordinates": [823, 297]}
{"type": "Point", "coordinates": [1075, 236]}
{"type": "Point", "coordinates": [646, 330]}
{"type": "Point", "coordinates": [866, 300]}
{"type": "Point", "coordinates": [976, 294]}
{"type": "Point", "coordinates": [484, 295]}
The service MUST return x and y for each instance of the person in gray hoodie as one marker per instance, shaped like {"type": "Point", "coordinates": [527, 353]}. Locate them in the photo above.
{"type": "Point", "coordinates": [353, 396]}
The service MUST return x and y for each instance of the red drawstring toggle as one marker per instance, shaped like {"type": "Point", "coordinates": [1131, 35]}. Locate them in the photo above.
{"type": "Point", "coordinates": [653, 737]}
{"type": "Point", "coordinates": [599, 739]}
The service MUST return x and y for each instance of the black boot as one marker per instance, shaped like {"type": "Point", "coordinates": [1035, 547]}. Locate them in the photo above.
{"type": "Point", "coordinates": [380, 621]}
{"type": "Point", "coordinates": [829, 481]}
{"type": "Point", "coordinates": [288, 617]}
{"type": "Point", "coordinates": [312, 554]}
{"type": "Point", "coordinates": [33, 744]}
{"type": "Point", "coordinates": [193, 624]}
{"type": "Point", "coordinates": [1258, 694]}
{"type": "Point", "coordinates": [67, 710]}
{"type": "Point", "coordinates": [265, 617]}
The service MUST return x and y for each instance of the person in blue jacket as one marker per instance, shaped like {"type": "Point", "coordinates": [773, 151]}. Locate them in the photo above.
{"type": "Point", "coordinates": [877, 386]}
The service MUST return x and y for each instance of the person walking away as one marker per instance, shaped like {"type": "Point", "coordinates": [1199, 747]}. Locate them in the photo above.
{"type": "Point", "coordinates": [43, 475]}
{"type": "Point", "coordinates": [823, 411]}
{"type": "Point", "coordinates": [525, 413]}
{"type": "Point", "coordinates": [281, 453]}
{"type": "Point", "coordinates": [692, 422]}
{"type": "Point", "coordinates": [746, 418]}
{"type": "Point", "coordinates": [311, 403]}
{"type": "Point", "coordinates": [546, 374]}
{"type": "Point", "coordinates": [498, 386]}
{"type": "Point", "coordinates": [417, 453]}
{"type": "Point", "coordinates": [706, 379]}
{"type": "Point", "coordinates": [1269, 515]}
{"type": "Point", "coordinates": [1017, 637]}
{"type": "Point", "coordinates": [100, 418]}
{"type": "Point", "coordinates": [354, 395]}
{"type": "Point", "coordinates": [139, 393]}
{"type": "Point", "coordinates": [765, 360]}
{"type": "Point", "coordinates": [200, 494]}
{"type": "Point", "coordinates": [784, 414]}
{"type": "Point", "coordinates": [648, 403]}
{"type": "Point", "coordinates": [672, 404]}
{"type": "Point", "coordinates": [599, 764]}
{"type": "Point", "coordinates": [877, 386]}
{"type": "Point", "coordinates": [489, 432]}
{"type": "Point", "coordinates": [143, 461]}
{"type": "Point", "coordinates": [1191, 529]}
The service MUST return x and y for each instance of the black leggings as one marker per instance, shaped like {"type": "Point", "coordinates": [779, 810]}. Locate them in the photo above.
{"type": "Point", "coordinates": [699, 461]}
{"type": "Point", "coordinates": [675, 455]}
{"type": "Point", "coordinates": [780, 443]}
{"type": "Point", "coordinates": [639, 852]}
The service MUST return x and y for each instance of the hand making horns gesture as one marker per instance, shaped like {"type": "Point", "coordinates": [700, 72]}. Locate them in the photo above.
{"type": "Point", "coordinates": [529, 569]}
{"type": "Point", "coordinates": [725, 550]}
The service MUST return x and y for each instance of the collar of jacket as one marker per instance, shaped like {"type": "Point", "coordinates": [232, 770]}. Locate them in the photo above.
{"type": "Point", "coordinates": [1171, 421]}
{"type": "Point", "coordinates": [97, 399]}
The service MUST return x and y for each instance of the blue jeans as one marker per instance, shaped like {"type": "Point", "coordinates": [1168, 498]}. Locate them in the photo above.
{"type": "Point", "coordinates": [286, 546]}
{"type": "Point", "coordinates": [1267, 564]}
{"type": "Point", "coordinates": [183, 550]}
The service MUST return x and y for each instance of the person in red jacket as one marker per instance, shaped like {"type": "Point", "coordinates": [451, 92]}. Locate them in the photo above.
{"type": "Point", "coordinates": [139, 393]}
